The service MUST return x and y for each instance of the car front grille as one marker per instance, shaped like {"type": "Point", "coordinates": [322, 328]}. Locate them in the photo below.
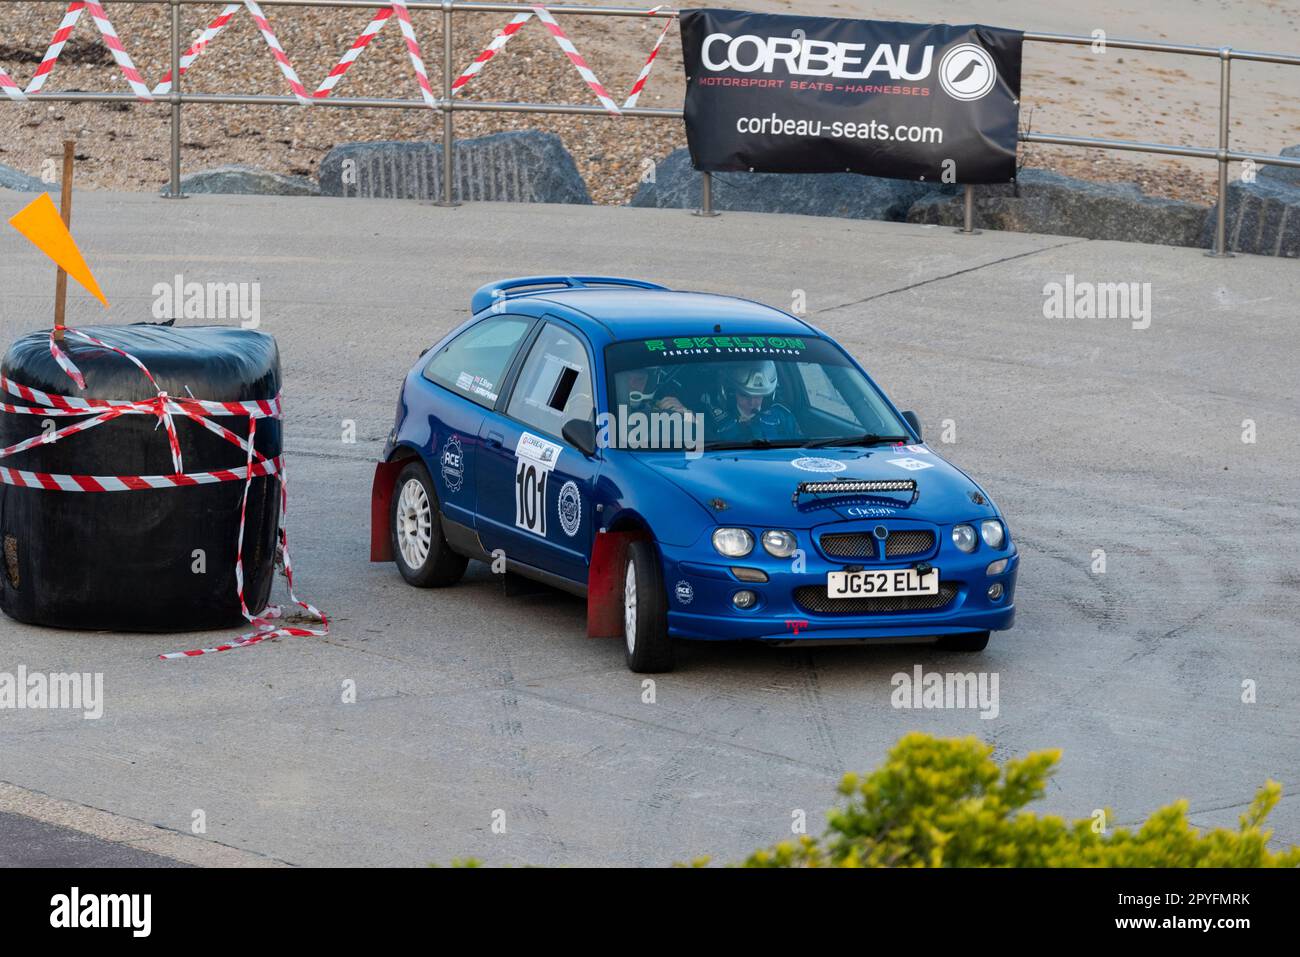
{"type": "Point", "coordinates": [912, 542]}
{"type": "Point", "coordinates": [813, 598]}
{"type": "Point", "coordinates": [863, 544]}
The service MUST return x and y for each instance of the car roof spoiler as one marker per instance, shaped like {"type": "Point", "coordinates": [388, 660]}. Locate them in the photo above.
{"type": "Point", "coordinates": [855, 487]}
{"type": "Point", "coordinates": [485, 296]}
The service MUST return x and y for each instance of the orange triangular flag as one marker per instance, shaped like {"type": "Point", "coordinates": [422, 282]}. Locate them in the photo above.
{"type": "Point", "coordinates": [39, 221]}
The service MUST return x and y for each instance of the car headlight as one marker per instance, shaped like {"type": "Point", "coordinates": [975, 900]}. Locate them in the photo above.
{"type": "Point", "coordinates": [963, 536]}
{"type": "Point", "coordinates": [778, 543]}
{"type": "Point", "coordinates": [992, 532]}
{"type": "Point", "coordinates": [733, 542]}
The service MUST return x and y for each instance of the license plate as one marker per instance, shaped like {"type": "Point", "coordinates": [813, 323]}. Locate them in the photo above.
{"type": "Point", "coordinates": [882, 583]}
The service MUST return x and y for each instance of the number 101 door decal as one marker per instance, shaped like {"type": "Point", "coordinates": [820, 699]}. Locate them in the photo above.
{"type": "Point", "coordinates": [535, 457]}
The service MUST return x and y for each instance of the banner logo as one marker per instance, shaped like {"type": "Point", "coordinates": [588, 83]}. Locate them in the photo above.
{"type": "Point", "coordinates": [967, 72]}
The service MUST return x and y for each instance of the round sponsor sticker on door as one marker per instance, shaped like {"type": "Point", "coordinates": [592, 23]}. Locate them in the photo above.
{"type": "Point", "coordinates": [569, 506]}
{"type": "Point", "coordinates": [814, 464]}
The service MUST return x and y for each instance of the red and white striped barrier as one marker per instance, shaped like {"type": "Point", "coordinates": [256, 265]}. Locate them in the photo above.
{"type": "Point", "coordinates": [386, 11]}
{"type": "Point", "coordinates": [492, 49]}
{"type": "Point", "coordinates": [342, 67]}
{"type": "Point", "coordinates": [111, 40]}
{"type": "Point", "coordinates": [10, 88]}
{"type": "Point", "coordinates": [644, 75]}
{"type": "Point", "coordinates": [281, 58]}
{"type": "Point", "coordinates": [165, 408]}
{"type": "Point", "coordinates": [382, 16]}
{"type": "Point", "coordinates": [584, 71]}
{"type": "Point", "coordinates": [576, 58]}
{"type": "Point", "coordinates": [70, 18]}
{"type": "Point", "coordinates": [198, 46]}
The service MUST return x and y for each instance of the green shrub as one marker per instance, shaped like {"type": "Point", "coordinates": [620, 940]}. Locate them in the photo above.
{"type": "Point", "coordinates": [943, 802]}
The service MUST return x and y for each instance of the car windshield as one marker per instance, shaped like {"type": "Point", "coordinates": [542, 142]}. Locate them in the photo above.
{"type": "Point", "coordinates": [741, 391]}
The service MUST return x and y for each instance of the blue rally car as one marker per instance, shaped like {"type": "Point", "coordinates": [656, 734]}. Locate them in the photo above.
{"type": "Point", "coordinates": [697, 466]}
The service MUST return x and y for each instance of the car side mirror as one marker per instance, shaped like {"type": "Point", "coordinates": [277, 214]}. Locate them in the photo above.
{"type": "Point", "coordinates": [581, 434]}
{"type": "Point", "coordinates": [914, 422]}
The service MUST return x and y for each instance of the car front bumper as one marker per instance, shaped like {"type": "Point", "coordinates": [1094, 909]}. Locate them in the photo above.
{"type": "Point", "coordinates": [700, 607]}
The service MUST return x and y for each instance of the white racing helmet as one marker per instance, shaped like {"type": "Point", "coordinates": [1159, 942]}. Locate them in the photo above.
{"type": "Point", "coordinates": [752, 378]}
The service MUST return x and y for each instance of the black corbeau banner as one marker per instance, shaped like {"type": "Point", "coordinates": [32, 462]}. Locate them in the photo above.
{"type": "Point", "coordinates": [791, 94]}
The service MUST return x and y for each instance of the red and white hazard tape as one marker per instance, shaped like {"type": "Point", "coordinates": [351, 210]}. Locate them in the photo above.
{"type": "Point", "coordinates": [70, 18]}
{"type": "Point", "coordinates": [644, 75]}
{"type": "Point", "coordinates": [492, 49]}
{"type": "Point", "coordinates": [10, 88]}
{"type": "Point", "coordinates": [198, 46]}
{"type": "Point", "coordinates": [382, 16]}
{"type": "Point", "coordinates": [368, 34]}
{"type": "Point", "coordinates": [281, 58]}
{"type": "Point", "coordinates": [576, 58]}
{"type": "Point", "coordinates": [386, 11]}
{"type": "Point", "coordinates": [584, 71]}
{"type": "Point", "coordinates": [164, 407]}
{"type": "Point", "coordinates": [111, 40]}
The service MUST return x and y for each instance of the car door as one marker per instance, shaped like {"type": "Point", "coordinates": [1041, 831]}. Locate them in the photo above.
{"type": "Point", "coordinates": [534, 488]}
{"type": "Point", "coordinates": [463, 379]}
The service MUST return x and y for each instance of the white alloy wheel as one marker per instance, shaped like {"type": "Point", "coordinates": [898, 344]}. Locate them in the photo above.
{"type": "Point", "coordinates": [629, 606]}
{"type": "Point", "coordinates": [414, 524]}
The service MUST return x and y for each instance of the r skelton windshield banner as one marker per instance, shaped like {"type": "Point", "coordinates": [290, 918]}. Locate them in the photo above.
{"type": "Point", "coordinates": [790, 94]}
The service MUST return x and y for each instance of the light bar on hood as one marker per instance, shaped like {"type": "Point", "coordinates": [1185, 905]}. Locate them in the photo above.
{"type": "Point", "coordinates": [854, 486]}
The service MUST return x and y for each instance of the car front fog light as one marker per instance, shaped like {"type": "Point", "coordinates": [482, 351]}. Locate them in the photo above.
{"type": "Point", "coordinates": [995, 591]}
{"type": "Point", "coordinates": [733, 542]}
{"type": "Point", "coordinates": [779, 544]}
{"type": "Point", "coordinates": [744, 599]}
{"type": "Point", "coordinates": [963, 536]}
{"type": "Point", "coordinates": [992, 532]}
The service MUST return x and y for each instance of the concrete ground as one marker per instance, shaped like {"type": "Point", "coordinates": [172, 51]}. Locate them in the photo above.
{"type": "Point", "coordinates": [1090, 434]}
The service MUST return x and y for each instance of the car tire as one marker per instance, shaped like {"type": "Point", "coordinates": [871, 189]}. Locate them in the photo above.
{"type": "Point", "coordinates": [971, 641]}
{"type": "Point", "coordinates": [419, 548]}
{"type": "Point", "coordinates": [645, 612]}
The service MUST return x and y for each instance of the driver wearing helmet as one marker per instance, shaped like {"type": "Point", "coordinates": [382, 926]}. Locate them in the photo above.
{"type": "Point", "coordinates": [638, 391]}
{"type": "Point", "coordinates": [747, 410]}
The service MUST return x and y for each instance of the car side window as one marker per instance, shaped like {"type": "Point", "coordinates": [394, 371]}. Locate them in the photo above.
{"type": "Point", "coordinates": [474, 363]}
{"type": "Point", "coordinates": [554, 382]}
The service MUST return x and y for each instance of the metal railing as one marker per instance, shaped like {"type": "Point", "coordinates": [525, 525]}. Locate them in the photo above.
{"type": "Point", "coordinates": [447, 105]}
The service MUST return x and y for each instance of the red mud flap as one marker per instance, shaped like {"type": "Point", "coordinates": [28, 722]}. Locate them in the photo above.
{"type": "Point", "coordinates": [381, 507]}
{"type": "Point", "coordinates": [605, 584]}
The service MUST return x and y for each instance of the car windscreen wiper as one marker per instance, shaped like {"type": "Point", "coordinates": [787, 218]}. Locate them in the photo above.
{"type": "Point", "coordinates": [870, 438]}
{"type": "Point", "coordinates": [741, 444]}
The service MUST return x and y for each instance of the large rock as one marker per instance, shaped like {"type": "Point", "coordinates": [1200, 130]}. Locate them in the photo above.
{"type": "Point", "coordinates": [1289, 175]}
{"type": "Point", "coordinates": [523, 166]}
{"type": "Point", "coordinates": [1045, 202]}
{"type": "Point", "coordinates": [1263, 217]}
{"type": "Point", "coordinates": [246, 180]}
{"type": "Point", "coordinates": [11, 178]}
{"type": "Point", "coordinates": [676, 185]}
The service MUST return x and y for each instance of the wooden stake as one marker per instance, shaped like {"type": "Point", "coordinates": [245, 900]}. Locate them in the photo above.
{"type": "Point", "coordinates": [61, 283]}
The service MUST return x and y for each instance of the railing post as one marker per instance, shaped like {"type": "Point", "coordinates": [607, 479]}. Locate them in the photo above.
{"type": "Point", "coordinates": [706, 196]}
{"type": "Point", "coordinates": [1220, 248]}
{"type": "Point", "coordinates": [174, 190]}
{"type": "Point", "coordinates": [448, 130]}
{"type": "Point", "coordinates": [968, 212]}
